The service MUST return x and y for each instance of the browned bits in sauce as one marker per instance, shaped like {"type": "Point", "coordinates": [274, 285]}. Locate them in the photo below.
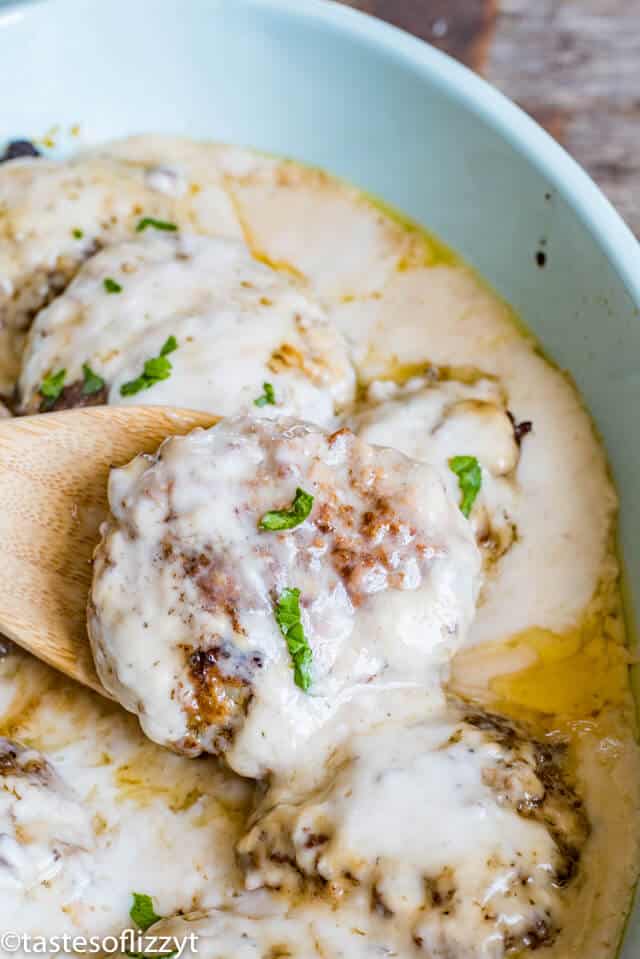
{"type": "Point", "coordinates": [10, 764]}
{"type": "Point", "coordinates": [334, 437]}
{"type": "Point", "coordinates": [314, 840]}
{"type": "Point", "coordinates": [221, 694]}
{"type": "Point", "coordinates": [279, 952]}
{"type": "Point", "coordinates": [286, 357]}
{"type": "Point", "coordinates": [361, 543]}
{"type": "Point", "coordinates": [217, 585]}
{"type": "Point", "coordinates": [441, 891]}
{"type": "Point", "coordinates": [555, 804]}
{"type": "Point", "coordinates": [378, 905]}
{"type": "Point", "coordinates": [542, 932]}
{"type": "Point", "coordinates": [380, 519]}
{"type": "Point", "coordinates": [520, 430]}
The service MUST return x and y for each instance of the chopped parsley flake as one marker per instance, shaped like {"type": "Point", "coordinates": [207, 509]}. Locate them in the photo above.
{"type": "Point", "coordinates": [151, 955]}
{"type": "Point", "coordinates": [156, 369]}
{"type": "Point", "coordinates": [77, 233]}
{"type": "Point", "coordinates": [170, 345]}
{"type": "Point", "coordinates": [267, 398]}
{"type": "Point", "coordinates": [51, 388]}
{"type": "Point", "coordinates": [289, 518]}
{"type": "Point", "coordinates": [147, 221]}
{"type": "Point", "coordinates": [111, 285]}
{"type": "Point", "coordinates": [288, 618]}
{"type": "Point", "coordinates": [142, 911]}
{"type": "Point", "coordinates": [467, 469]}
{"type": "Point", "coordinates": [92, 383]}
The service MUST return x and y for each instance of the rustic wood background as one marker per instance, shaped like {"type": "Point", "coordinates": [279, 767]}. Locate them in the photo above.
{"type": "Point", "coordinates": [574, 65]}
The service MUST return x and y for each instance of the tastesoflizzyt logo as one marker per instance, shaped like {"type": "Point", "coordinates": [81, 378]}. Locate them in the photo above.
{"type": "Point", "coordinates": [132, 943]}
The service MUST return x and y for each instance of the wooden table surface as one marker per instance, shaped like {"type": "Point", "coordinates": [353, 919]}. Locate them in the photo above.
{"type": "Point", "coordinates": [574, 65]}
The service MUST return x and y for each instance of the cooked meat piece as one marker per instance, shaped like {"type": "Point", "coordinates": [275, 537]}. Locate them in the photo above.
{"type": "Point", "coordinates": [43, 826]}
{"type": "Point", "coordinates": [54, 215]}
{"type": "Point", "coordinates": [220, 325]}
{"type": "Point", "coordinates": [467, 831]}
{"type": "Point", "coordinates": [192, 599]}
{"type": "Point", "coordinates": [435, 418]}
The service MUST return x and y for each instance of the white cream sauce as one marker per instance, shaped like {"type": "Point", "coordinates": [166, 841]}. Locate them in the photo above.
{"type": "Point", "coordinates": [182, 617]}
{"type": "Point", "coordinates": [237, 324]}
{"type": "Point", "coordinates": [158, 824]}
{"type": "Point", "coordinates": [53, 215]}
{"type": "Point", "coordinates": [314, 934]}
{"type": "Point", "coordinates": [436, 420]}
{"type": "Point", "coordinates": [443, 316]}
{"type": "Point", "coordinates": [429, 790]}
{"type": "Point", "coordinates": [167, 825]}
{"type": "Point", "coordinates": [48, 827]}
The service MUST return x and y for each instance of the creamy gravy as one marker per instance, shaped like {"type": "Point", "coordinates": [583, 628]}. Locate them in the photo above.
{"type": "Point", "coordinates": [212, 291]}
{"type": "Point", "coordinates": [386, 568]}
{"type": "Point", "coordinates": [441, 366]}
{"type": "Point", "coordinates": [504, 830]}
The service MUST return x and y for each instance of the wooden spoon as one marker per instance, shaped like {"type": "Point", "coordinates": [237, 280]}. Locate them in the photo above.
{"type": "Point", "coordinates": [53, 498]}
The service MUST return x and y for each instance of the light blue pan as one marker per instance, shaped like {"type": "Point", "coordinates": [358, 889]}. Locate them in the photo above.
{"type": "Point", "coordinates": [327, 85]}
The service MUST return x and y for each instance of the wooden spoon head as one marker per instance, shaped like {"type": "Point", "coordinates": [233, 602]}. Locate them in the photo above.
{"type": "Point", "coordinates": [53, 498]}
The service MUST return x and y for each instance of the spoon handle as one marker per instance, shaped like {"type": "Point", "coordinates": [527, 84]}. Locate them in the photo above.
{"type": "Point", "coordinates": [53, 494]}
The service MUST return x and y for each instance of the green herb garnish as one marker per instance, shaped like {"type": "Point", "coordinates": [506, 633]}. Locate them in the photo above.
{"type": "Point", "coordinates": [467, 469]}
{"type": "Point", "coordinates": [147, 221]}
{"type": "Point", "coordinates": [170, 344]}
{"type": "Point", "coordinates": [92, 383]}
{"type": "Point", "coordinates": [156, 369]}
{"type": "Point", "coordinates": [51, 388]}
{"type": "Point", "coordinates": [289, 620]}
{"type": "Point", "coordinates": [142, 911]}
{"type": "Point", "coordinates": [77, 233]}
{"type": "Point", "coordinates": [267, 398]}
{"type": "Point", "coordinates": [289, 518]}
{"type": "Point", "coordinates": [151, 955]}
{"type": "Point", "coordinates": [111, 285]}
